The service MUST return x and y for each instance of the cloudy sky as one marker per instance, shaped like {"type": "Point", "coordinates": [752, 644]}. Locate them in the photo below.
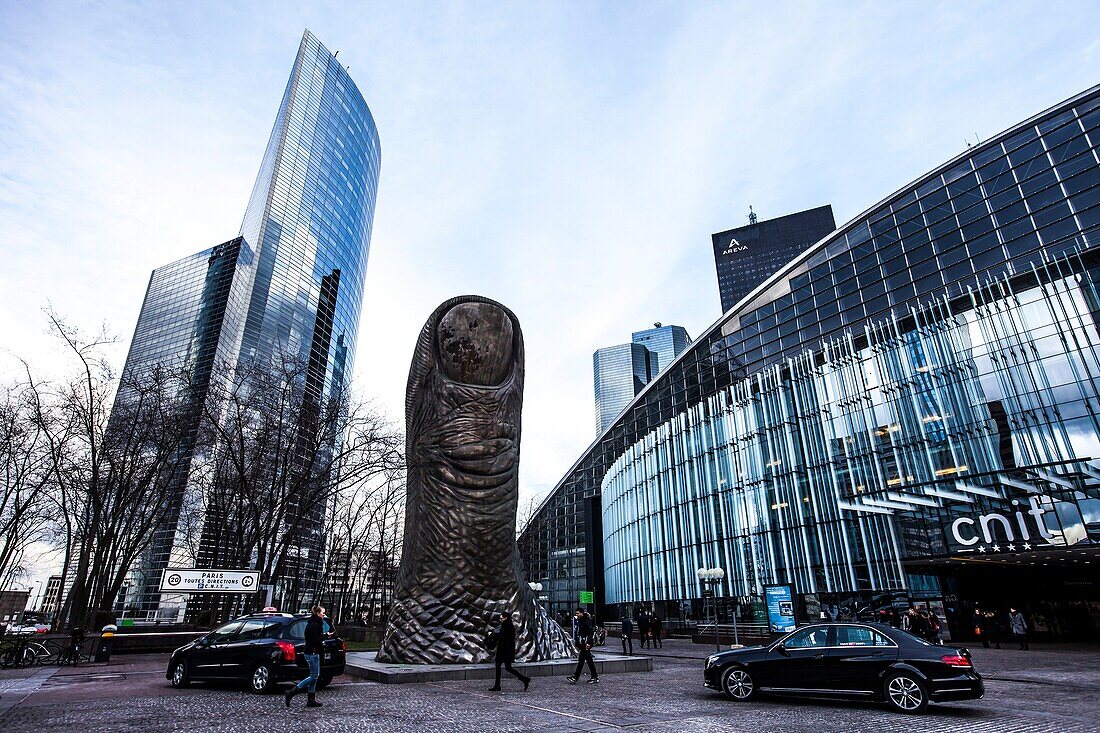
{"type": "Point", "coordinates": [568, 159]}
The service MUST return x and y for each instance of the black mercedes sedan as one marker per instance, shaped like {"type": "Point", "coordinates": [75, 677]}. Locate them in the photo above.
{"type": "Point", "coordinates": [261, 650]}
{"type": "Point", "coordinates": [851, 660]}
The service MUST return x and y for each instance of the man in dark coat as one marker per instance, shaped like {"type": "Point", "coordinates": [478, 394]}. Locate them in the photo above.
{"type": "Point", "coordinates": [506, 651]}
{"type": "Point", "coordinates": [655, 629]}
{"type": "Point", "coordinates": [628, 632]}
{"type": "Point", "coordinates": [315, 638]}
{"type": "Point", "coordinates": [643, 629]}
{"type": "Point", "coordinates": [585, 631]}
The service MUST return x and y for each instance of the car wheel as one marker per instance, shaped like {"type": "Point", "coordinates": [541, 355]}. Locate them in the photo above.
{"type": "Point", "coordinates": [262, 679]}
{"type": "Point", "coordinates": [181, 676]}
{"type": "Point", "coordinates": [906, 694]}
{"type": "Point", "coordinates": [738, 684]}
{"type": "Point", "coordinates": [324, 681]}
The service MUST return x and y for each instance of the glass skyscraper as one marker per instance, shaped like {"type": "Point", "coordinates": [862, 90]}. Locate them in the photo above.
{"type": "Point", "coordinates": [620, 372]}
{"type": "Point", "coordinates": [305, 236]}
{"type": "Point", "coordinates": [908, 412]}
{"type": "Point", "coordinates": [665, 342]}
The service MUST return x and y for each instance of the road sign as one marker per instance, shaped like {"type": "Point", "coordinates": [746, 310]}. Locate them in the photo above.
{"type": "Point", "coordinates": [209, 580]}
{"type": "Point", "coordinates": [586, 597]}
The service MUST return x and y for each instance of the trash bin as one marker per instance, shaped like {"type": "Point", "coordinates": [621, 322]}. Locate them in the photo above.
{"type": "Point", "coordinates": [106, 643]}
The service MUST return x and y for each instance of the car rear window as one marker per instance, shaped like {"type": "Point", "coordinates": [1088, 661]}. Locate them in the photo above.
{"type": "Point", "coordinates": [296, 630]}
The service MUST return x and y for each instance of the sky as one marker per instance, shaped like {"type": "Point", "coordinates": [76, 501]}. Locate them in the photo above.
{"type": "Point", "coordinates": [569, 159]}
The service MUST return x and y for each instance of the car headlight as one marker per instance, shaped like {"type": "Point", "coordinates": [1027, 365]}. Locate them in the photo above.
{"type": "Point", "coordinates": [710, 661]}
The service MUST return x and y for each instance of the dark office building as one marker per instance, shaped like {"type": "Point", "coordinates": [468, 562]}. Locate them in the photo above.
{"type": "Point", "coordinates": [748, 255]}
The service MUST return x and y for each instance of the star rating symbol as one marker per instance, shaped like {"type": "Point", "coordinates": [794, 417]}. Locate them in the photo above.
{"type": "Point", "coordinates": [1012, 548]}
{"type": "Point", "coordinates": [981, 548]}
{"type": "Point", "coordinates": [1027, 545]}
{"type": "Point", "coordinates": [996, 548]}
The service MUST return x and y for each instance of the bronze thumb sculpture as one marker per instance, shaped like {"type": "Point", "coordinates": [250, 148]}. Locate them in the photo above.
{"type": "Point", "coordinates": [460, 566]}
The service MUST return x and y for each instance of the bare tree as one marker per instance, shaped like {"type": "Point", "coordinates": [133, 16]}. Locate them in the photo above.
{"type": "Point", "coordinates": [111, 468]}
{"type": "Point", "coordinates": [276, 456]}
{"type": "Point", "coordinates": [25, 509]}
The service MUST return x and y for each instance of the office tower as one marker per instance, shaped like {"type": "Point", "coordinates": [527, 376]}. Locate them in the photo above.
{"type": "Point", "coordinates": [190, 321]}
{"type": "Point", "coordinates": [666, 343]}
{"type": "Point", "coordinates": [297, 286]}
{"type": "Point", "coordinates": [746, 256]}
{"type": "Point", "coordinates": [619, 372]}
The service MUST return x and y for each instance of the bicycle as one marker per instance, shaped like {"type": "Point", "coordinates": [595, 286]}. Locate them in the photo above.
{"type": "Point", "coordinates": [73, 655]}
{"type": "Point", "coordinates": [26, 652]}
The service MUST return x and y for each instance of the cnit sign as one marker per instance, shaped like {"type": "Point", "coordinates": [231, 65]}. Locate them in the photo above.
{"type": "Point", "coordinates": [1024, 526]}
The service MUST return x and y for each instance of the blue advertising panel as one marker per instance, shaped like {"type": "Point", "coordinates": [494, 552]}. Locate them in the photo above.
{"type": "Point", "coordinates": [780, 602]}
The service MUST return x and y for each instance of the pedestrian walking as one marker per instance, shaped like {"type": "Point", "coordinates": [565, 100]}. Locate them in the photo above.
{"type": "Point", "coordinates": [627, 636]}
{"type": "Point", "coordinates": [506, 651]}
{"type": "Point", "coordinates": [1018, 624]}
{"type": "Point", "coordinates": [655, 629]}
{"type": "Point", "coordinates": [585, 629]}
{"type": "Point", "coordinates": [315, 638]}
{"type": "Point", "coordinates": [643, 629]}
{"type": "Point", "coordinates": [981, 629]}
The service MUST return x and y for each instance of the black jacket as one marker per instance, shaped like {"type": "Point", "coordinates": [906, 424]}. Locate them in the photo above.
{"type": "Point", "coordinates": [585, 629]}
{"type": "Point", "coordinates": [506, 642]}
{"type": "Point", "coordinates": [315, 634]}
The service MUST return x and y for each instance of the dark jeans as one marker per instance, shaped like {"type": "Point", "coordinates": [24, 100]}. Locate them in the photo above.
{"type": "Point", "coordinates": [1022, 639]}
{"type": "Point", "coordinates": [657, 640]}
{"type": "Point", "coordinates": [508, 666]}
{"type": "Point", "coordinates": [643, 639]}
{"type": "Point", "coordinates": [628, 644]}
{"type": "Point", "coordinates": [314, 662]}
{"type": "Point", "coordinates": [585, 656]}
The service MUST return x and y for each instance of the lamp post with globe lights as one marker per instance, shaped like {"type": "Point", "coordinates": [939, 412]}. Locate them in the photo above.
{"type": "Point", "coordinates": [711, 578]}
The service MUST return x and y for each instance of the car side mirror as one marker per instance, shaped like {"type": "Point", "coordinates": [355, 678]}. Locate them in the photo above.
{"type": "Point", "coordinates": [783, 650]}
{"type": "Point", "coordinates": [203, 641]}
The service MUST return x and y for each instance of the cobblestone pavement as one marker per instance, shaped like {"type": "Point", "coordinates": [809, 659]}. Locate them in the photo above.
{"type": "Point", "coordinates": [1057, 691]}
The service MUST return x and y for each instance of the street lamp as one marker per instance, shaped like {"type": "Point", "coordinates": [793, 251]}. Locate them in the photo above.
{"type": "Point", "coordinates": [711, 578]}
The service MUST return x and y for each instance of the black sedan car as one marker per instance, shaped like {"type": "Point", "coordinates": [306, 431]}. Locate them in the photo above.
{"type": "Point", "coordinates": [852, 660]}
{"type": "Point", "coordinates": [260, 650]}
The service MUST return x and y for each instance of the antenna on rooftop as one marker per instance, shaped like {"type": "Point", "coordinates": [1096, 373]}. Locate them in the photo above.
{"type": "Point", "coordinates": [752, 215]}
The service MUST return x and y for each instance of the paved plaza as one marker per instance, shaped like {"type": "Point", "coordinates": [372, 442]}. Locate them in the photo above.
{"type": "Point", "coordinates": [1042, 690]}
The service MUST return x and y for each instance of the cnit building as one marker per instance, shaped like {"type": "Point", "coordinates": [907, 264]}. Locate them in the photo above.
{"type": "Point", "coordinates": [907, 412]}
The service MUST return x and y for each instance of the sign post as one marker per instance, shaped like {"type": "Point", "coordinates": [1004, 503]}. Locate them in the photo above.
{"type": "Point", "coordinates": [209, 580]}
{"type": "Point", "coordinates": [780, 603]}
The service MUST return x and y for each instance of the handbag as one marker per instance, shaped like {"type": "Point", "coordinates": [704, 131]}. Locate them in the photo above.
{"type": "Point", "coordinates": [491, 641]}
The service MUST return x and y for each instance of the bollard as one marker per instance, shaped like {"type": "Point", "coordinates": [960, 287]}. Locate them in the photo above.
{"type": "Point", "coordinates": [106, 643]}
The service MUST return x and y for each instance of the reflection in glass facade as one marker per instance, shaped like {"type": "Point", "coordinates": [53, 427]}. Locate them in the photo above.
{"type": "Point", "coordinates": [307, 231]}
{"type": "Point", "coordinates": [920, 386]}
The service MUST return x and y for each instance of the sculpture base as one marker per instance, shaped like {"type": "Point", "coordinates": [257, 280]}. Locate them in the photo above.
{"type": "Point", "coordinates": [363, 664]}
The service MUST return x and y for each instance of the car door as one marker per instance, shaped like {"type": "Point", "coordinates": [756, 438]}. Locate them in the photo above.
{"type": "Point", "coordinates": [798, 662]}
{"type": "Point", "coordinates": [858, 658]}
{"type": "Point", "coordinates": [208, 657]}
{"type": "Point", "coordinates": [240, 653]}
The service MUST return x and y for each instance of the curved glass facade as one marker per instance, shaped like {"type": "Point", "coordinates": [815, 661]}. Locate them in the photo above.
{"type": "Point", "coordinates": [309, 218]}
{"type": "Point", "coordinates": [928, 365]}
